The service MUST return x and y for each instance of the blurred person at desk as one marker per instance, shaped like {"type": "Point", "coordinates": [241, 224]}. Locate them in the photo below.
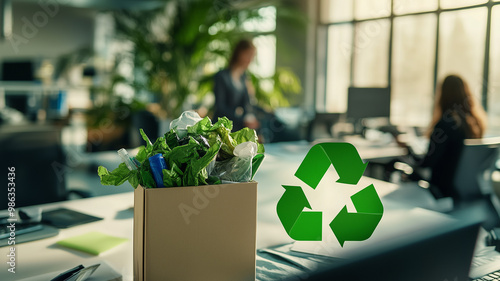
{"type": "Point", "coordinates": [231, 88]}
{"type": "Point", "coordinates": [457, 116]}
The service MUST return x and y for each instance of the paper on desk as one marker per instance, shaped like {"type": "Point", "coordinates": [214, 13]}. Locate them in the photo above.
{"type": "Point", "coordinates": [92, 242]}
{"type": "Point", "coordinates": [396, 225]}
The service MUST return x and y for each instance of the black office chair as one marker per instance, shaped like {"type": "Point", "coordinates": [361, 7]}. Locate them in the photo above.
{"type": "Point", "coordinates": [40, 165]}
{"type": "Point", "coordinates": [473, 182]}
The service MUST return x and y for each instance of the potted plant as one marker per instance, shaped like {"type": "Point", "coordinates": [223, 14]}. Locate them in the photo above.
{"type": "Point", "coordinates": [174, 45]}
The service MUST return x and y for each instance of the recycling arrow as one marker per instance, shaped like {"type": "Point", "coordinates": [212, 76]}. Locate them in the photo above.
{"type": "Point", "coordinates": [300, 225]}
{"type": "Point", "coordinates": [306, 225]}
{"type": "Point", "coordinates": [343, 156]}
{"type": "Point", "coordinates": [359, 226]}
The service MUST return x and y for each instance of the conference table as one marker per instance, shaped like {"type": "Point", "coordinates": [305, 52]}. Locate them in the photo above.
{"type": "Point", "coordinates": [282, 160]}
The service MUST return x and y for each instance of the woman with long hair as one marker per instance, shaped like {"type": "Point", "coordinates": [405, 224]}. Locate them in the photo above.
{"type": "Point", "coordinates": [231, 88]}
{"type": "Point", "coordinates": [457, 116]}
{"type": "Point", "coordinates": [455, 101]}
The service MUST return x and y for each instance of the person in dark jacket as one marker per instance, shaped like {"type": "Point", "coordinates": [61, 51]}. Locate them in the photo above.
{"type": "Point", "coordinates": [457, 116]}
{"type": "Point", "coordinates": [231, 88]}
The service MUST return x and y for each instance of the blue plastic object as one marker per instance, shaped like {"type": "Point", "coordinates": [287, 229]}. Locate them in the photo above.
{"type": "Point", "coordinates": [157, 164]}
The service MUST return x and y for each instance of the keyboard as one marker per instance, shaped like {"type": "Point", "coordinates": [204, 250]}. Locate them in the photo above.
{"type": "Point", "coordinates": [493, 276]}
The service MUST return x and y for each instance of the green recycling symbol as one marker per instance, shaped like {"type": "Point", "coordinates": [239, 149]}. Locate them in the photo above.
{"type": "Point", "coordinates": [305, 225]}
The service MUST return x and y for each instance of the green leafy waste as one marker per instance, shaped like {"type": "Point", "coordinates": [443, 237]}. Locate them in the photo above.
{"type": "Point", "coordinates": [187, 158]}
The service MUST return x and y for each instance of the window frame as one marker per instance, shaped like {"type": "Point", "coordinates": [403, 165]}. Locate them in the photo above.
{"type": "Point", "coordinates": [325, 25]}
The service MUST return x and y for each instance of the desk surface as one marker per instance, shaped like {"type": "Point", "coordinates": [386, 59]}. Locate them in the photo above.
{"type": "Point", "coordinates": [281, 161]}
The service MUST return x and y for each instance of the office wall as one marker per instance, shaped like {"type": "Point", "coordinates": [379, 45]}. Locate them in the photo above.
{"type": "Point", "coordinates": [47, 31]}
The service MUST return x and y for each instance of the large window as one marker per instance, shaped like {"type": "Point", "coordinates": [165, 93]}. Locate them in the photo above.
{"type": "Point", "coordinates": [339, 65]}
{"type": "Point", "coordinates": [365, 9]}
{"type": "Point", "coordinates": [336, 10]}
{"type": "Point", "coordinates": [411, 46]}
{"type": "Point", "coordinates": [461, 46]}
{"type": "Point", "coordinates": [265, 60]}
{"type": "Point", "coordinates": [494, 77]}
{"type": "Point", "coordinates": [413, 69]}
{"type": "Point", "coordinates": [412, 6]}
{"type": "Point", "coordinates": [371, 50]}
{"type": "Point", "coordinates": [460, 3]}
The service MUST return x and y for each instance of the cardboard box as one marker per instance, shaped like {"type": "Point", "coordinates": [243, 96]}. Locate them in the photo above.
{"type": "Point", "coordinates": [195, 233]}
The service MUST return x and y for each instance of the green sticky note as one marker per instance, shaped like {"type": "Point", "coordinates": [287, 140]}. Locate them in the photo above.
{"type": "Point", "coordinates": [93, 242]}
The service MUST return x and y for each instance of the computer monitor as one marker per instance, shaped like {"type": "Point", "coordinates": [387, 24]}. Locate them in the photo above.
{"type": "Point", "coordinates": [368, 103]}
{"type": "Point", "coordinates": [36, 154]}
{"type": "Point", "coordinates": [18, 71]}
{"type": "Point", "coordinates": [442, 253]}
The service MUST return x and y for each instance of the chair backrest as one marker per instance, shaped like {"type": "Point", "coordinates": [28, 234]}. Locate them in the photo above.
{"type": "Point", "coordinates": [472, 178]}
{"type": "Point", "coordinates": [36, 154]}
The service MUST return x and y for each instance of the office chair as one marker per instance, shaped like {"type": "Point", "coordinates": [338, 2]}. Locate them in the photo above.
{"type": "Point", "coordinates": [472, 181]}
{"type": "Point", "coordinates": [36, 153]}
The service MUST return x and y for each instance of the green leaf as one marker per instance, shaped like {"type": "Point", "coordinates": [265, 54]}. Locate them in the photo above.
{"type": "Point", "coordinates": [146, 177]}
{"type": "Point", "coordinates": [213, 180]}
{"type": "Point", "coordinates": [116, 177]}
{"type": "Point", "coordinates": [183, 154]}
{"type": "Point", "coordinates": [256, 161]}
{"type": "Point", "coordinates": [219, 131]}
{"type": "Point", "coordinates": [228, 143]}
{"type": "Point", "coordinates": [201, 127]}
{"type": "Point", "coordinates": [212, 138]}
{"type": "Point", "coordinates": [223, 122]}
{"type": "Point", "coordinates": [247, 134]}
{"type": "Point", "coordinates": [141, 154]}
{"type": "Point", "coordinates": [133, 179]}
{"type": "Point", "coordinates": [160, 146]}
{"type": "Point", "coordinates": [171, 178]}
{"type": "Point", "coordinates": [196, 172]}
{"type": "Point", "coordinates": [177, 169]}
{"type": "Point", "coordinates": [149, 145]}
{"type": "Point", "coordinates": [171, 139]}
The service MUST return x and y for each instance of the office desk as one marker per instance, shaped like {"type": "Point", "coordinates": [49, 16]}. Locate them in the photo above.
{"type": "Point", "coordinates": [43, 256]}
{"type": "Point", "coordinates": [281, 162]}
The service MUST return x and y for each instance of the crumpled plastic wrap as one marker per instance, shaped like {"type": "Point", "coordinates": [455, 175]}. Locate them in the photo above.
{"type": "Point", "coordinates": [238, 168]}
{"type": "Point", "coordinates": [187, 118]}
